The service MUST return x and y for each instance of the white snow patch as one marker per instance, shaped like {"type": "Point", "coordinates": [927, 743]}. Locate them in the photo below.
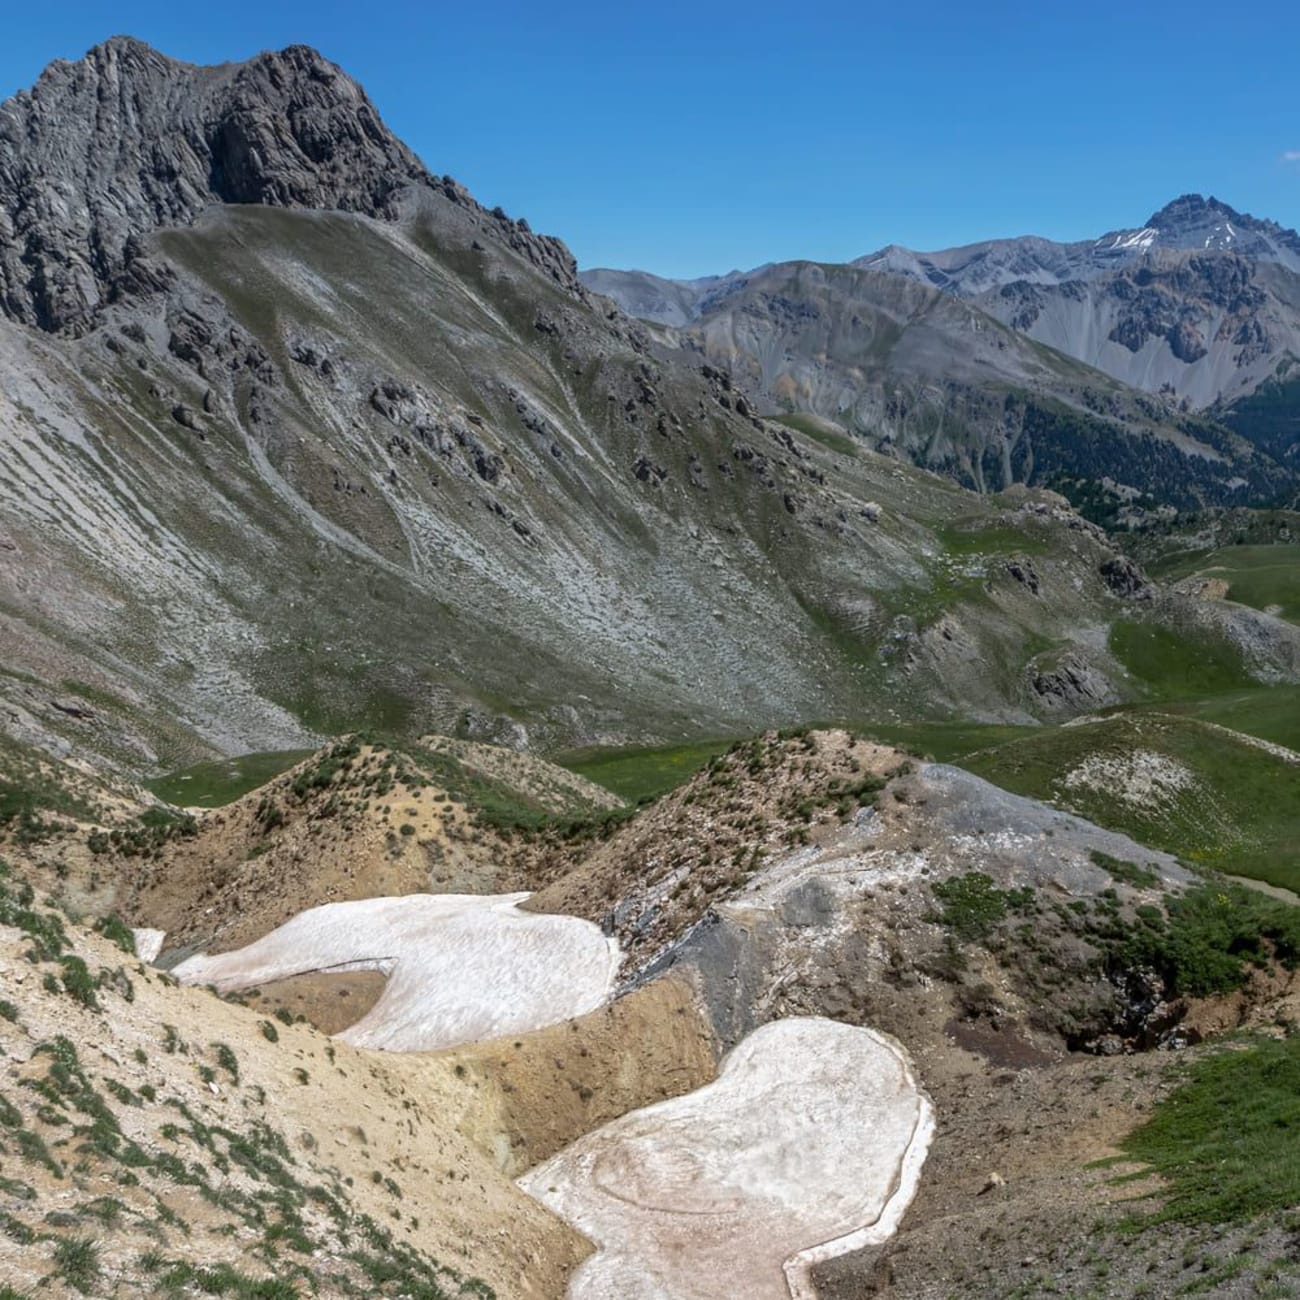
{"type": "Point", "coordinates": [1140, 779]}
{"type": "Point", "coordinates": [1139, 239]}
{"type": "Point", "coordinates": [808, 1146]}
{"type": "Point", "coordinates": [460, 967]}
{"type": "Point", "coordinates": [148, 943]}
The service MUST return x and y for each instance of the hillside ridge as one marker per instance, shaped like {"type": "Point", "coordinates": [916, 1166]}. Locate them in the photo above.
{"type": "Point", "coordinates": [141, 141]}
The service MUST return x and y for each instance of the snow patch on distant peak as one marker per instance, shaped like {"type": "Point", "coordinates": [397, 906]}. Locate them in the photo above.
{"type": "Point", "coordinates": [1133, 239]}
{"type": "Point", "coordinates": [1221, 236]}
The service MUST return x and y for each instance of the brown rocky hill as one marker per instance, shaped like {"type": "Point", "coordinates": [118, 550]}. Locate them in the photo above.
{"type": "Point", "coordinates": [809, 873]}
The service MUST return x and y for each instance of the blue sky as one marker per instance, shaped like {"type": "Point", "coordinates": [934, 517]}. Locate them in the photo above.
{"type": "Point", "coordinates": [689, 138]}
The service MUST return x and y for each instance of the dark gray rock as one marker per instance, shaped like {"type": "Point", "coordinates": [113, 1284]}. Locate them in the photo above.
{"type": "Point", "coordinates": [1070, 685]}
{"type": "Point", "coordinates": [1124, 578]}
{"type": "Point", "coordinates": [101, 152]}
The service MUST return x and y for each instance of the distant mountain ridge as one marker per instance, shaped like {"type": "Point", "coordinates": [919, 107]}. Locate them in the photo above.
{"type": "Point", "coordinates": [1188, 224]}
{"type": "Point", "coordinates": [1199, 306]}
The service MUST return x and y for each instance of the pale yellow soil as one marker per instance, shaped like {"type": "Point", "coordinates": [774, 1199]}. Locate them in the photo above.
{"type": "Point", "coordinates": [540, 1092]}
{"type": "Point", "coordinates": [349, 1117]}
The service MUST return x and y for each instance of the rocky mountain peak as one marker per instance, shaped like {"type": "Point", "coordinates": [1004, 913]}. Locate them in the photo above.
{"type": "Point", "coordinates": [107, 149]}
{"type": "Point", "coordinates": [1190, 210]}
{"type": "Point", "coordinates": [1194, 222]}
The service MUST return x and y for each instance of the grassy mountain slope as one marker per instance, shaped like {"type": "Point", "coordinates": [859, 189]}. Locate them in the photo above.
{"type": "Point", "coordinates": [346, 472]}
{"type": "Point", "coordinates": [1216, 798]}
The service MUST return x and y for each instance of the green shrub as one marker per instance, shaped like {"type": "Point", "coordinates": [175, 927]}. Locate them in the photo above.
{"type": "Point", "coordinates": [973, 905]}
{"type": "Point", "coordinates": [146, 835]}
{"type": "Point", "coordinates": [45, 929]}
{"type": "Point", "coordinates": [1129, 872]}
{"type": "Point", "coordinates": [31, 1146]}
{"type": "Point", "coordinates": [77, 1259]}
{"type": "Point", "coordinates": [78, 982]}
{"type": "Point", "coordinates": [227, 1060]}
{"type": "Point", "coordinates": [1213, 936]}
{"type": "Point", "coordinates": [269, 814]}
{"type": "Point", "coordinates": [113, 928]}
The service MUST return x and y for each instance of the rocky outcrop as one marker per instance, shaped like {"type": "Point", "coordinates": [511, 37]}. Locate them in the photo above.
{"type": "Point", "coordinates": [1070, 685]}
{"type": "Point", "coordinates": [105, 150]}
{"type": "Point", "coordinates": [1125, 578]}
{"type": "Point", "coordinates": [101, 152]}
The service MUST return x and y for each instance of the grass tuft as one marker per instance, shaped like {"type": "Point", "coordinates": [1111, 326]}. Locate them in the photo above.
{"type": "Point", "coordinates": [1225, 1141]}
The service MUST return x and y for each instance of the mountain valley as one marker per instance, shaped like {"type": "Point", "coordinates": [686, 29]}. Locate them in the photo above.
{"type": "Point", "coordinates": [528, 783]}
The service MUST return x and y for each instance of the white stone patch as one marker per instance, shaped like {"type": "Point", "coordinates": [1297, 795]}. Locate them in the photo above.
{"type": "Point", "coordinates": [1268, 746]}
{"type": "Point", "coordinates": [460, 967]}
{"type": "Point", "coordinates": [845, 875]}
{"type": "Point", "coordinates": [148, 943]}
{"type": "Point", "coordinates": [1003, 843]}
{"type": "Point", "coordinates": [1140, 779]}
{"type": "Point", "coordinates": [809, 1145]}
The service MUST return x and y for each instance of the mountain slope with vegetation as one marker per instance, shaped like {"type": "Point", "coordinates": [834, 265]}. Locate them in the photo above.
{"type": "Point", "coordinates": [331, 500]}
{"type": "Point", "coordinates": [1153, 359]}
{"type": "Point", "coordinates": [275, 429]}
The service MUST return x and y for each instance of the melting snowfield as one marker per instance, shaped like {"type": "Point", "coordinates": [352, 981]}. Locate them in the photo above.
{"type": "Point", "coordinates": [809, 1145]}
{"type": "Point", "coordinates": [460, 967]}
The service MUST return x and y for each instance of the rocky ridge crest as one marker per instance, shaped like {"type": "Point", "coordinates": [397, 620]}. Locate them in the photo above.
{"type": "Point", "coordinates": [125, 141]}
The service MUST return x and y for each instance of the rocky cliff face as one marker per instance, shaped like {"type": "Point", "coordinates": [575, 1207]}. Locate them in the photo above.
{"type": "Point", "coordinates": [103, 151]}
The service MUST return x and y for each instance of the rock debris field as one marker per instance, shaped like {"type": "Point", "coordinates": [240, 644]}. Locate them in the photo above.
{"type": "Point", "coordinates": [808, 1145]}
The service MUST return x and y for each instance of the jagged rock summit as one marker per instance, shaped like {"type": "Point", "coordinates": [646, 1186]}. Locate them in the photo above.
{"type": "Point", "coordinates": [1194, 222]}
{"type": "Point", "coordinates": [107, 149]}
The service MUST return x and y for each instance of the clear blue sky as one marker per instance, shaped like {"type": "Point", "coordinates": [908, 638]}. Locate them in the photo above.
{"type": "Point", "coordinates": [689, 138]}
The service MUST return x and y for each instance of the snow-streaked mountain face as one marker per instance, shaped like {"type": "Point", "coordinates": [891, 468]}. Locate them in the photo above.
{"type": "Point", "coordinates": [1200, 303]}
{"type": "Point", "coordinates": [1188, 224]}
{"type": "Point", "coordinates": [1194, 224]}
